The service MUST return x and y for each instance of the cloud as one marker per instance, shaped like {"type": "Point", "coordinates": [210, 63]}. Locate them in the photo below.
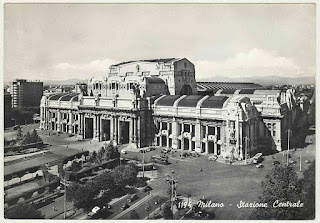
{"type": "Point", "coordinates": [255, 62]}
{"type": "Point", "coordinates": [93, 66]}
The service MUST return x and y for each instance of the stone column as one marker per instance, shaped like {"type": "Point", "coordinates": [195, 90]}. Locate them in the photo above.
{"type": "Point", "coordinates": [182, 136]}
{"type": "Point", "coordinates": [70, 122]}
{"type": "Point", "coordinates": [240, 141]}
{"type": "Point", "coordinates": [138, 132]}
{"type": "Point", "coordinates": [215, 148]}
{"type": "Point", "coordinates": [160, 127]}
{"type": "Point", "coordinates": [82, 125]}
{"type": "Point", "coordinates": [59, 120]}
{"type": "Point", "coordinates": [112, 127]}
{"type": "Point", "coordinates": [190, 139]}
{"type": "Point", "coordinates": [198, 136]}
{"type": "Point", "coordinates": [174, 134]}
{"type": "Point", "coordinates": [168, 130]}
{"type": "Point", "coordinates": [131, 130]}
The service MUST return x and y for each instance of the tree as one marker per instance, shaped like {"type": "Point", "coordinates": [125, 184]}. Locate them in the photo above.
{"type": "Point", "coordinates": [19, 134]}
{"type": "Point", "coordinates": [26, 139]}
{"type": "Point", "coordinates": [106, 182]}
{"type": "Point", "coordinates": [112, 152]}
{"type": "Point", "coordinates": [148, 208]}
{"type": "Point", "coordinates": [82, 196]}
{"type": "Point", "coordinates": [134, 215]}
{"type": "Point", "coordinates": [94, 156]}
{"type": "Point", "coordinates": [167, 213]}
{"type": "Point", "coordinates": [23, 211]}
{"type": "Point", "coordinates": [308, 189]}
{"type": "Point", "coordinates": [101, 153]}
{"type": "Point", "coordinates": [281, 185]}
{"type": "Point", "coordinates": [35, 137]}
{"type": "Point", "coordinates": [125, 175]}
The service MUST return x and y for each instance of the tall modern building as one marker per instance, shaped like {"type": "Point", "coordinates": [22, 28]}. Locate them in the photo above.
{"type": "Point", "coordinates": [156, 102]}
{"type": "Point", "coordinates": [7, 109]}
{"type": "Point", "coordinates": [26, 94]}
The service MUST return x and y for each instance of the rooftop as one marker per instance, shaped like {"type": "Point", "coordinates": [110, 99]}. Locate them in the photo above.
{"type": "Point", "coordinates": [163, 60]}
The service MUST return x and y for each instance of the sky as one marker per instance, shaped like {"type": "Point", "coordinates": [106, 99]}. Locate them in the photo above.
{"type": "Point", "coordinates": [67, 41]}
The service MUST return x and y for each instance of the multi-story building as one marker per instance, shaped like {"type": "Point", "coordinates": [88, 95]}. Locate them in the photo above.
{"type": "Point", "coordinates": [26, 93]}
{"type": "Point", "coordinates": [155, 102]}
{"type": "Point", "coordinates": [7, 109]}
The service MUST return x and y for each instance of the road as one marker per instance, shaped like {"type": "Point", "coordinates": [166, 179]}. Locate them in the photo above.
{"type": "Point", "coordinates": [49, 212]}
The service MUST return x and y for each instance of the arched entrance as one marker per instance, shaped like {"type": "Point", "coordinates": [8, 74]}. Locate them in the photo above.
{"type": "Point", "coordinates": [186, 90]}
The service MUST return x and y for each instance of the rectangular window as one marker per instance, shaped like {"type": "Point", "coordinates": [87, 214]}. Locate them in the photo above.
{"type": "Point", "coordinates": [211, 130]}
{"type": "Point", "coordinates": [218, 133]}
{"type": "Point", "coordinates": [274, 129]}
{"type": "Point", "coordinates": [170, 128]}
{"type": "Point", "coordinates": [186, 128]}
{"type": "Point", "coordinates": [164, 125]}
{"type": "Point", "coordinates": [193, 130]}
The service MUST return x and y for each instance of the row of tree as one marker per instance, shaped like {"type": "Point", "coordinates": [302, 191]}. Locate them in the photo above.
{"type": "Point", "coordinates": [105, 153]}
{"type": "Point", "coordinates": [282, 184]}
{"type": "Point", "coordinates": [103, 188]}
{"type": "Point", "coordinates": [26, 139]}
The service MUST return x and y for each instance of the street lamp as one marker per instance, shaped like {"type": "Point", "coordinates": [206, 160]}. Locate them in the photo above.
{"type": "Point", "coordinates": [247, 140]}
{"type": "Point", "coordinates": [65, 198]}
{"type": "Point", "coordinates": [143, 151]}
{"type": "Point", "coordinates": [172, 188]}
{"type": "Point", "coordinates": [289, 132]}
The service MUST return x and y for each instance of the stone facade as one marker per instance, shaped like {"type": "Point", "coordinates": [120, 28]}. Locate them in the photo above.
{"type": "Point", "coordinates": [155, 102]}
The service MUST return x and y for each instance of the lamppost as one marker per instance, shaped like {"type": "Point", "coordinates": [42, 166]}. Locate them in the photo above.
{"type": "Point", "coordinates": [65, 197]}
{"type": "Point", "coordinates": [143, 151]}
{"type": "Point", "coordinates": [247, 140]}
{"type": "Point", "coordinates": [172, 189]}
{"type": "Point", "coordinates": [289, 132]}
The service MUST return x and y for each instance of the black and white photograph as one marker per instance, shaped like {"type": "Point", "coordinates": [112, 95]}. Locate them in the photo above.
{"type": "Point", "coordinates": [149, 111]}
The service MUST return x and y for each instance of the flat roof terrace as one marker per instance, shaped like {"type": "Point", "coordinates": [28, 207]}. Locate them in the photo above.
{"type": "Point", "coordinates": [55, 153]}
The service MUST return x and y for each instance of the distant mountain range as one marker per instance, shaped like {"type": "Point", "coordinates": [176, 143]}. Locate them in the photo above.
{"type": "Point", "coordinates": [258, 80]}
{"type": "Point", "coordinates": [64, 82]}
{"type": "Point", "coordinates": [263, 80]}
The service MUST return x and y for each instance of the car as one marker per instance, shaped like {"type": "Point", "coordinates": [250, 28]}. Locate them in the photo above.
{"type": "Point", "coordinates": [125, 206]}
{"type": "Point", "coordinates": [123, 151]}
{"type": "Point", "coordinates": [259, 165]}
{"type": "Point", "coordinates": [257, 158]}
{"type": "Point", "coordinates": [147, 188]}
{"type": "Point", "coordinates": [291, 161]}
{"type": "Point", "coordinates": [212, 158]}
{"type": "Point", "coordinates": [132, 198]}
{"type": "Point", "coordinates": [195, 155]}
{"type": "Point", "coordinates": [163, 155]}
{"type": "Point", "coordinates": [16, 127]}
{"type": "Point", "coordinates": [307, 161]}
{"type": "Point", "coordinates": [276, 163]}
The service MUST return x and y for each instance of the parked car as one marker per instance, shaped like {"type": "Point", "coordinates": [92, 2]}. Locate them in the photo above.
{"type": "Point", "coordinates": [195, 155]}
{"type": "Point", "coordinates": [147, 188]}
{"type": "Point", "coordinates": [257, 158]}
{"type": "Point", "coordinates": [212, 158]}
{"type": "Point", "coordinates": [291, 161]}
{"type": "Point", "coordinates": [276, 163]}
{"type": "Point", "coordinates": [16, 127]}
{"type": "Point", "coordinates": [166, 150]}
{"type": "Point", "coordinates": [259, 165]}
{"type": "Point", "coordinates": [125, 206]}
{"type": "Point", "coordinates": [132, 198]}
